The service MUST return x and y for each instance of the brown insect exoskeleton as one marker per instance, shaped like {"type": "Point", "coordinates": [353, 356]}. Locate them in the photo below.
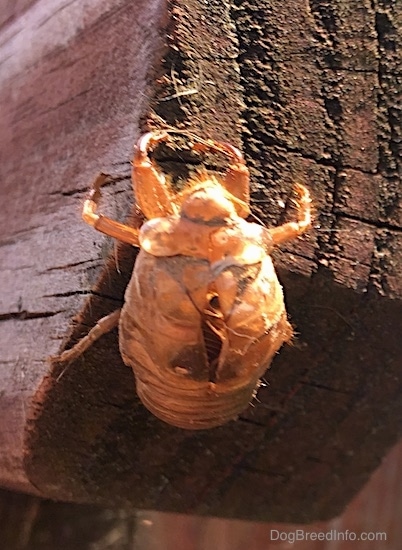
{"type": "Point", "coordinates": [204, 312]}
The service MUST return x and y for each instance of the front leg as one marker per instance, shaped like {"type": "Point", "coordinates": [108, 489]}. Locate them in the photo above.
{"type": "Point", "coordinates": [152, 192]}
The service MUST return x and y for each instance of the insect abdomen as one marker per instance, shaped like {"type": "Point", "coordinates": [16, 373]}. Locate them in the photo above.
{"type": "Point", "coordinates": [196, 366]}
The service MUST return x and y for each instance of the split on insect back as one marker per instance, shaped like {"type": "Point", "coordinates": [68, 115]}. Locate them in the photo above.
{"type": "Point", "coordinates": [204, 312]}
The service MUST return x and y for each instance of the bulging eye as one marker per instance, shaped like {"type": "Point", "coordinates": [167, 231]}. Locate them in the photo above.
{"type": "Point", "coordinates": [157, 237]}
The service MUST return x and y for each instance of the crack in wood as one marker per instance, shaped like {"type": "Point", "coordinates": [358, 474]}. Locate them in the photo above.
{"type": "Point", "coordinates": [92, 262]}
{"type": "Point", "coordinates": [26, 315]}
{"type": "Point", "coordinates": [324, 387]}
{"type": "Point", "coordinates": [82, 293]}
{"type": "Point", "coordinates": [371, 223]}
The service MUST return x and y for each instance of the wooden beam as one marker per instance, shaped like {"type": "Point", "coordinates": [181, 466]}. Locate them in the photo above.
{"type": "Point", "coordinates": [309, 90]}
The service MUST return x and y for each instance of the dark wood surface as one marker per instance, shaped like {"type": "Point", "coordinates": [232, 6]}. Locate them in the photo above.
{"type": "Point", "coordinates": [30, 523]}
{"type": "Point", "coordinates": [311, 93]}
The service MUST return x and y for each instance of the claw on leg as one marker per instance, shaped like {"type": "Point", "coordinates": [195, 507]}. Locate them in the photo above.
{"type": "Point", "coordinates": [152, 193]}
{"type": "Point", "coordinates": [103, 224]}
{"type": "Point", "coordinates": [292, 230]}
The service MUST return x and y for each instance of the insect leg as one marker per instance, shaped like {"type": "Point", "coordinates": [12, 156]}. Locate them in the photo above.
{"type": "Point", "coordinates": [103, 326]}
{"type": "Point", "coordinates": [152, 193]}
{"type": "Point", "coordinates": [291, 230]}
{"type": "Point", "coordinates": [103, 224]}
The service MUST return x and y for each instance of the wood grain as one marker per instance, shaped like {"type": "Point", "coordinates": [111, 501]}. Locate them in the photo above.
{"type": "Point", "coordinates": [71, 97]}
{"type": "Point", "coordinates": [311, 91]}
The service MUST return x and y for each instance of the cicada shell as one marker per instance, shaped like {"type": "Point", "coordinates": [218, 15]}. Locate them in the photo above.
{"type": "Point", "coordinates": [199, 335]}
{"type": "Point", "coordinates": [204, 312]}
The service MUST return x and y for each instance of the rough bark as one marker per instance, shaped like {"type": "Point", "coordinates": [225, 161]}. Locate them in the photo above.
{"type": "Point", "coordinates": [311, 92]}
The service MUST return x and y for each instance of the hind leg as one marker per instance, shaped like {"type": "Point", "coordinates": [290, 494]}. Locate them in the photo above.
{"type": "Point", "coordinates": [103, 326]}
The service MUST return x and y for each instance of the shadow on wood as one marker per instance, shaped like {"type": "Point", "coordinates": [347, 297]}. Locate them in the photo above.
{"type": "Point", "coordinates": [309, 429]}
{"type": "Point", "coordinates": [319, 85]}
